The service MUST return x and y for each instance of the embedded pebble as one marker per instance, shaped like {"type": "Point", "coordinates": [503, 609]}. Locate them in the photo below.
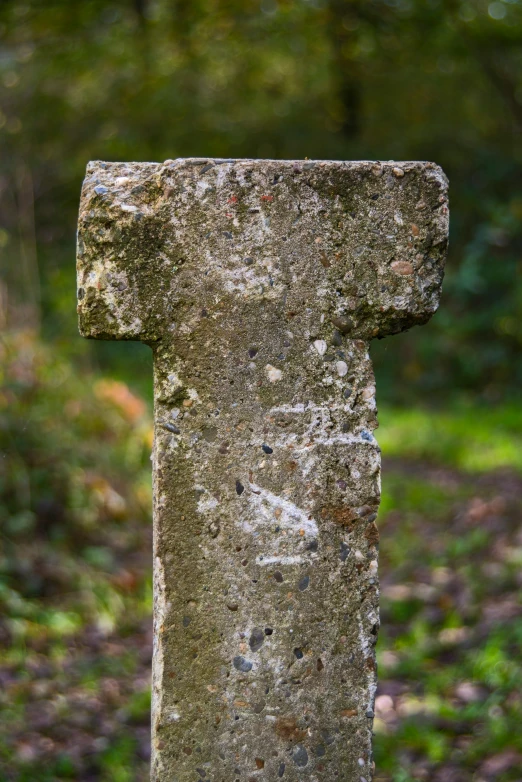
{"type": "Point", "coordinates": [343, 324]}
{"type": "Point", "coordinates": [300, 756]}
{"type": "Point", "coordinates": [257, 639]}
{"type": "Point", "coordinates": [321, 346]}
{"type": "Point", "coordinates": [172, 428]}
{"type": "Point", "coordinates": [273, 373]}
{"type": "Point", "coordinates": [342, 368]}
{"type": "Point", "coordinates": [402, 267]}
{"type": "Point", "coordinates": [243, 665]}
{"type": "Point", "coordinates": [304, 583]}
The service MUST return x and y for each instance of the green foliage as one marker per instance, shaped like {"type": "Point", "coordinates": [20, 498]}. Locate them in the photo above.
{"type": "Point", "coordinates": [449, 649]}
{"type": "Point", "coordinates": [75, 583]}
{"type": "Point", "coordinates": [74, 568]}
{"type": "Point", "coordinates": [465, 436]}
{"type": "Point", "coordinates": [346, 79]}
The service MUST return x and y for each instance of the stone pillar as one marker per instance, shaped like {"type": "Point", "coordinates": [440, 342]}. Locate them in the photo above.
{"type": "Point", "coordinates": [259, 285]}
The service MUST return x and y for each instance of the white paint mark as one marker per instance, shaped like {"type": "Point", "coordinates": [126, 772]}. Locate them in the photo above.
{"type": "Point", "coordinates": [207, 503]}
{"type": "Point", "coordinates": [265, 503]}
{"type": "Point", "coordinates": [286, 559]}
{"type": "Point", "coordinates": [299, 408]}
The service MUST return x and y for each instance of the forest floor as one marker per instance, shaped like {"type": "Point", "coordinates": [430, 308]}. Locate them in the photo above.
{"type": "Point", "coordinates": [75, 584]}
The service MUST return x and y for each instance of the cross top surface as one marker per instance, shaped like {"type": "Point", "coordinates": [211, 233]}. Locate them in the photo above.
{"type": "Point", "coordinates": [259, 285]}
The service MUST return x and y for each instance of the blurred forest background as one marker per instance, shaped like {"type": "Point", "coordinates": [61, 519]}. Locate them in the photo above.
{"type": "Point", "coordinates": [346, 79]}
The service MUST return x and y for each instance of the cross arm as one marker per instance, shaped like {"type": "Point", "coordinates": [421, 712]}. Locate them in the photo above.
{"type": "Point", "coordinates": [372, 240]}
{"type": "Point", "coordinates": [123, 250]}
{"type": "Point", "coordinates": [391, 225]}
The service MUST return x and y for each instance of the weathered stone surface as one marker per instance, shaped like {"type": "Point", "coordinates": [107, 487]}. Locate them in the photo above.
{"type": "Point", "coordinates": [258, 285]}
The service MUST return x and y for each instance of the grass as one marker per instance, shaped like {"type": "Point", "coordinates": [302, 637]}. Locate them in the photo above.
{"type": "Point", "coordinates": [449, 699]}
{"type": "Point", "coordinates": [467, 437]}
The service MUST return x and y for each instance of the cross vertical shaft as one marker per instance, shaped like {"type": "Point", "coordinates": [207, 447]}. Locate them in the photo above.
{"type": "Point", "coordinates": [259, 285]}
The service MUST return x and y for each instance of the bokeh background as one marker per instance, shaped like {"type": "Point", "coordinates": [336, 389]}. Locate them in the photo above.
{"type": "Point", "coordinates": [347, 79]}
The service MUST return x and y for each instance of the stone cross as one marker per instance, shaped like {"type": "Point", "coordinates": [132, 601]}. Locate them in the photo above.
{"type": "Point", "coordinates": [258, 285]}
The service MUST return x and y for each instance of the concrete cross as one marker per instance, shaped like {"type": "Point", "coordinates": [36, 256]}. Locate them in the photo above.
{"type": "Point", "coordinates": [258, 285]}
